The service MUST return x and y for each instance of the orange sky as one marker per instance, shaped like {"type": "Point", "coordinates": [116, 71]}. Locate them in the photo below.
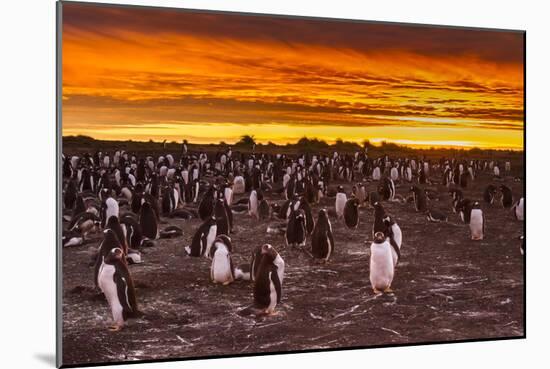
{"type": "Point", "coordinates": [135, 73]}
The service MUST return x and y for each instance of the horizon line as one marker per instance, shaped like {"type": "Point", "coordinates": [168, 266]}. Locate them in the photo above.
{"type": "Point", "coordinates": [376, 142]}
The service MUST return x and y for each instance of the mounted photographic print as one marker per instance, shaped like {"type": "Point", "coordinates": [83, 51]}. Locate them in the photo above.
{"type": "Point", "coordinates": [238, 184]}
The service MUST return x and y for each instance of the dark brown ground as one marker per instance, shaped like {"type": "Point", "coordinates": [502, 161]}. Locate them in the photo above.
{"type": "Point", "coordinates": [446, 288]}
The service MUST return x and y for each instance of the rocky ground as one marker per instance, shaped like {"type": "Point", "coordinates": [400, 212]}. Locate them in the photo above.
{"type": "Point", "coordinates": [446, 288]}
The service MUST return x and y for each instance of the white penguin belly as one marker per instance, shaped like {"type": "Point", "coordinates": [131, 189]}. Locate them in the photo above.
{"type": "Point", "coordinates": [107, 285]}
{"type": "Point", "coordinates": [341, 199]}
{"type": "Point", "coordinates": [221, 268]}
{"type": "Point", "coordinates": [476, 224]}
{"type": "Point", "coordinates": [272, 296]}
{"type": "Point", "coordinates": [381, 266]}
{"type": "Point", "coordinates": [280, 264]}
{"type": "Point", "coordinates": [210, 239]}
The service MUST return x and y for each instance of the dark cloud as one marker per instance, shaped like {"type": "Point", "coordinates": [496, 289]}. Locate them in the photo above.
{"type": "Point", "coordinates": [110, 21]}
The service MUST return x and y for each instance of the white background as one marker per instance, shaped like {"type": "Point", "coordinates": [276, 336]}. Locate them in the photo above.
{"type": "Point", "coordinates": [27, 180]}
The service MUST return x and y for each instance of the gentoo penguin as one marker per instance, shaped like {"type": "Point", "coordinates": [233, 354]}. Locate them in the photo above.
{"type": "Point", "coordinates": [322, 241]}
{"type": "Point", "coordinates": [238, 185]}
{"type": "Point", "coordinates": [222, 220]}
{"type": "Point", "coordinates": [221, 268]}
{"type": "Point", "coordinates": [109, 207]}
{"type": "Point", "coordinates": [264, 210]}
{"type": "Point", "coordinates": [148, 221]}
{"type": "Point", "coordinates": [115, 226]}
{"type": "Point", "coordinates": [373, 197]}
{"type": "Point", "coordinates": [489, 194]}
{"type": "Point", "coordinates": [395, 237]}
{"type": "Point", "coordinates": [519, 210]}
{"type": "Point", "coordinates": [419, 197]}
{"type": "Point", "coordinates": [206, 206]}
{"type": "Point", "coordinates": [477, 222]}
{"type": "Point", "coordinates": [351, 213]}
{"type": "Point", "coordinates": [457, 196]}
{"type": "Point", "coordinates": [110, 241]}
{"type": "Point", "coordinates": [296, 228]}
{"type": "Point", "coordinates": [507, 197]}
{"type": "Point", "coordinates": [387, 189]}
{"type": "Point", "coordinates": [340, 204]}
{"type": "Point", "coordinates": [436, 216]}
{"type": "Point", "coordinates": [310, 222]}
{"type": "Point", "coordinates": [379, 215]}
{"type": "Point", "coordinates": [115, 282]}
{"type": "Point", "coordinates": [70, 195]}
{"type": "Point", "coordinates": [267, 284]}
{"type": "Point", "coordinates": [464, 209]}
{"type": "Point", "coordinates": [85, 223]}
{"type": "Point", "coordinates": [381, 264]}
{"type": "Point", "coordinates": [253, 204]}
{"type": "Point", "coordinates": [71, 238]}
{"type": "Point", "coordinates": [171, 232]}
{"type": "Point", "coordinates": [203, 238]}
{"type": "Point", "coordinates": [376, 173]}
{"type": "Point", "coordinates": [134, 236]}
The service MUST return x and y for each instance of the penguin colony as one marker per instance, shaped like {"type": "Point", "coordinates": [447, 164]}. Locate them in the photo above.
{"type": "Point", "coordinates": [121, 202]}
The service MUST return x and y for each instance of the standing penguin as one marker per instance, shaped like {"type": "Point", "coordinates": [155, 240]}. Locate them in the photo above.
{"type": "Point", "coordinates": [116, 283]}
{"type": "Point", "coordinates": [379, 215]}
{"type": "Point", "coordinates": [148, 221]}
{"type": "Point", "coordinates": [221, 268]}
{"type": "Point", "coordinates": [395, 237]}
{"type": "Point", "coordinates": [222, 220]}
{"type": "Point", "coordinates": [109, 207]}
{"type": "Point", "coordinates": [255, 263]}
{"type": "Point", "coordinates": [253, 204]}
{"type": "Point", "coordinates": [489, 194]}
{"type": "Point", "coordinates": [203, 238]}
{"type": "Point", "coordinates": [110, 241]}
{"type": "Point", "coordinates": [322, 241]}
{"type": "Point", "coordinates": [477, 222]}
{"type": "Point", "coordinates": [381, 264]}
{"type": "Point", "coordinates": [267, 284]}
{"type": "Point", "coordinates": [296, 228]}
{"type": "Point", "coordinates": [387, 189]}
{"type": "Point", "coordinates": [115, 226]}
{"type": "Point", "coordinates": [206, 206]}
{"type": "Point", "coordinates": [340, 204]}
{"type": "Point", "coordinates": [264, 210]}
{"type": "Point", "coordinates": [518, 209]}
{"type": "Point", "coordinates": [419, 197]}
{"type": "Point", "coordinates": [507, 197]}
{"type": "Point", "coordinates": [351, 213]}
{"type": "Point", "coordinates": [464, 209]}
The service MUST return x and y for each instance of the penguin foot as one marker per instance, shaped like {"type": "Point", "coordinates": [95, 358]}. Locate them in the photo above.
{"type": "Point", "coordinates": [226, 283]}
{"type": "Point", "coordinates": [115, 328]}
{"type": "Point", "coordinates": [388, 290]}
{"type": "Point", "coordinates": [377, 292]}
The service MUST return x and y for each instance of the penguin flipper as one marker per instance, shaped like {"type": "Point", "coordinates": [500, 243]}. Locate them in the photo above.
{"type": "Point", "coordinates": [125, 291]}
{"type": "Point", "coordinates": [277, 284]}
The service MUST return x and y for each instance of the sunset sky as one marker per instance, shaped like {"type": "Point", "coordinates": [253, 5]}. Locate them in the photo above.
{"type": "Point", "coordinates": [135, 73]}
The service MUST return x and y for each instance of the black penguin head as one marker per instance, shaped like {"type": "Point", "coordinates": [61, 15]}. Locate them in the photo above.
{"type": "Point", "coordinates": [269, 251]}
{"type": "Point", "coordinates": [112, 222]}
{"type": "Point", "coordinates": [388, 221]}
{"type": "Point", "coordinates": [340, 189]}
{"type": "Point", "coordinates": [226, 240]}
{"type": "Point", "coordinates": [379, 237]}
{"type": "Point", "coordinates": [116, 254]}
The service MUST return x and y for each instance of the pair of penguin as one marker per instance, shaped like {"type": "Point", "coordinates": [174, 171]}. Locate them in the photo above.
{"type": "Point", "coordinates": [471, 213]}
{"type": "Point", "coordinates": [267, 271]}
{"type": "Point", "coordinates": [385, 251]}
{"type": "Point", "coordinates": [113, 278]}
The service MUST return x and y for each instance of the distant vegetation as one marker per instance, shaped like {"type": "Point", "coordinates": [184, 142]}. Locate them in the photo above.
{"type": "Point", "coordinates": [78, 144]}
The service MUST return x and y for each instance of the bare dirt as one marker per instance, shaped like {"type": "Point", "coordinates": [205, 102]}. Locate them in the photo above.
{"type": "Point", "coordinates": [446, 288]}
